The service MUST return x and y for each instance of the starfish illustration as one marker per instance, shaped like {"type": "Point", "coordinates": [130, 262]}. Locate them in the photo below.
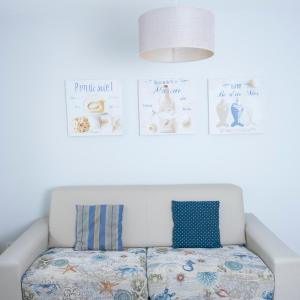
{"type": "Point", "coordinates": [70, 268]}
{"type": "Point", "coordinates": [107, 286]}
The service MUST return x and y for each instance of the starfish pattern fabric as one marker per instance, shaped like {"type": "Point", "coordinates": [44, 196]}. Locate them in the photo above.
{"type": "Point", "coordinates": [65, 274]}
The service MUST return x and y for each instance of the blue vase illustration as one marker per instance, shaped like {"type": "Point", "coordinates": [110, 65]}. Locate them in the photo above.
{"type": "Point", "coordinates": [236, 111]}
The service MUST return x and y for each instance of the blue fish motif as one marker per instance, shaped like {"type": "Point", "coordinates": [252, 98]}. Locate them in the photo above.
{"type": "Point", "coordinates": [267, 295]}
{"type": "Point", "coordinates": [127, 271]}
{"type": "Point", "coordinates": [165, 295]}
{"type": "Point", "coordinates": [99, 257]}
{"type": "Point", "coordinates": [244, 256]}
{"type": "Point", "coordinates": [156, 265]}
{"type": "Point", "coordinates": [236, 111]}
{"type": "Point", "coordinates": [42, 289]}
{"type": "Point", "coordinates": [137, 251]}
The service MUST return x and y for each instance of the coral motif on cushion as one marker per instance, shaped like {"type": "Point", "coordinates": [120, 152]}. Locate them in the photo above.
{"type": "Point", "coordinates": [65, 274]}
{"type": "Point", "coordinates": [231, 272]}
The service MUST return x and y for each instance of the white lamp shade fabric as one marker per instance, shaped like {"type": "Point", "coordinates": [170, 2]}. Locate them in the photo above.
{"type": "Point", "coordinates": [176, 34]}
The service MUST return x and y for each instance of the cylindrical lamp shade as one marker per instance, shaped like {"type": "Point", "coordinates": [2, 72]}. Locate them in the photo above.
{"type": "Point", "coordinates": [176, 34]}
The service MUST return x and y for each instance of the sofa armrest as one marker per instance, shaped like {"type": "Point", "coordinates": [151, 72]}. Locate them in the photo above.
{"type": "Point", "coordinates": [283, 262]}
{"type": "Point", "coordinates": [19, 256]}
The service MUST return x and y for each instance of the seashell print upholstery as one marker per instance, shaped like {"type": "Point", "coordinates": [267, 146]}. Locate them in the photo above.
{"type": "Point", "coordinates": [65, 274]}
{"type": "Point", "coordinates": [253, 263]}
{"type": "Point", "coordinates": [231, 272]}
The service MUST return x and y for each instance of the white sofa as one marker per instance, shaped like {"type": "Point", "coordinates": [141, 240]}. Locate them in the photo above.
{"type": "Point", "coordinates": [148, 223]}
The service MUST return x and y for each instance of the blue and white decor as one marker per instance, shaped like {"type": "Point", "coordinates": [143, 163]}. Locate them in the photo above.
{"type": "Point", "coordinates": [99, 227]}
{"type": "Point", "coordinates": [196, 224]}
{"type": "Point", "coordinates": [235, 106]}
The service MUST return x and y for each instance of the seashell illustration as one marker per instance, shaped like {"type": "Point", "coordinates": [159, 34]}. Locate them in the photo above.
{"type": "Point", "coordinates": [116, 124]}
{"type": "Point", "coordinates": [103, 122]}
{"type": "Point", "coordinates": [81, 125]}
{"type": "Point", "coordinates": [222, 293]}
{"type": "Point", "coordinates": [187, 122]}
{"type": "Point", "coordinates": [96, 106]}
{"type": "Point", "coordinates": [152, 127]}
{"type": "Point", "coordinates": [252, 83]}
{"type": "Point", "coordinates": [168, 125]}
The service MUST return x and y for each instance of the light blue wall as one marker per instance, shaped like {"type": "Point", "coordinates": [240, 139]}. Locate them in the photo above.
{"type": "Point", "coordinates": [42, 44]}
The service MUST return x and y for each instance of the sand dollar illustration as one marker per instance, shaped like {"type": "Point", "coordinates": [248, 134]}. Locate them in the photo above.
{"type": "Point", "coordinates": [59, 262]}
{"type": "Point", "coordinates": [233, 265]}
{"type": "Point", "coordinates": [122, 295]}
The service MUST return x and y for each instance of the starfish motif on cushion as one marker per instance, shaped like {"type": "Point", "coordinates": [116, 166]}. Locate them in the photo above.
{"type": "Point", "coordinates": [107, 286]}
{"type": "Point", "coordinates": [70, 268]}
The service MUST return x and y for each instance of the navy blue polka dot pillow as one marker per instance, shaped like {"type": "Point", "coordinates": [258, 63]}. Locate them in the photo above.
{"type": "Point", "coordinates": [196, 224]}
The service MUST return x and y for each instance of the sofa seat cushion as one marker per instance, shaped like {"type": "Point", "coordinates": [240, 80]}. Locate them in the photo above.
{"type": "Point", "coordinates": [65, 274]}
{"type": "Point", "coordinates": [231, 272]}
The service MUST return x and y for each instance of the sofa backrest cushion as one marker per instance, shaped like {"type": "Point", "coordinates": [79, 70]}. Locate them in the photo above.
{"type": "Point", "coordinates": [147, 219]}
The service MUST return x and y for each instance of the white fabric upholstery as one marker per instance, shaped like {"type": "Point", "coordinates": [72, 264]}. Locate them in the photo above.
{"type": "Point", "coordinates": [19, 256]}
{"type": "Point", "coordinates": [283, 262]}
{"type": "Point", "coordinates": [147, 212]}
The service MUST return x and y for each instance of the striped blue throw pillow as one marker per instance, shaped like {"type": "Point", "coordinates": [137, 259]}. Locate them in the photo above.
{"type": "Point", "coordinates": [99, 227]}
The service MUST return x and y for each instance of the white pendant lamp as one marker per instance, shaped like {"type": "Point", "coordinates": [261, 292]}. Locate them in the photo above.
{"type": "Point", "coordinates": [176, 34]}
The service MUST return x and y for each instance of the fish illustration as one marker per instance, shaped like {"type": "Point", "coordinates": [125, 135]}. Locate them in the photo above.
{"type": "Point", "coordinates": [236, 111]}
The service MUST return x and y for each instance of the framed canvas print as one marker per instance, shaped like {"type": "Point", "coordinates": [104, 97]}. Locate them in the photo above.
{"type": "Point", "coordinates": [166, 106]}
{"type": "Point", "coordinates": [235, 106]}
{"type": "Point", "coordinates": [94, 107]}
